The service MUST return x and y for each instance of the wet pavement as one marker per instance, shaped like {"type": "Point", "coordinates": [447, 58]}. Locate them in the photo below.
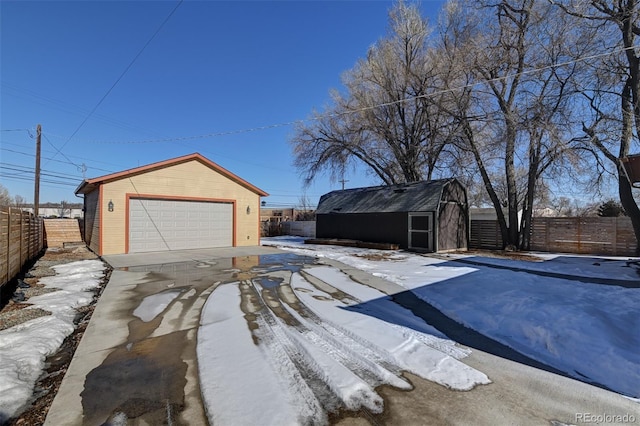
{"type": "Point", "coordinates": [138, 361]}
{"type": "Point", "coordinates": [140, 364]}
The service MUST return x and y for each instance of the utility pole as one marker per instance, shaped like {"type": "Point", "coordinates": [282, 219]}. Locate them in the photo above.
{"type": "Point", "coordinates": [36, 191]}
{"type": "Point", "coordinates": [343, 181]}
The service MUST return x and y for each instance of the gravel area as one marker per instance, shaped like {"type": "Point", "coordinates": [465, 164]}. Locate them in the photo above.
{"type": "Point", "coordinates": [11, 318]}
{"type": "Point", "coordinates": [13, 314]}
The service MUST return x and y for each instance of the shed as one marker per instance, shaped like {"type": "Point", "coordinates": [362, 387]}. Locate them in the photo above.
{"type": "Point", "coordinates": [186, 202]}
{"type": "Point", "coordinates": [425, 216]}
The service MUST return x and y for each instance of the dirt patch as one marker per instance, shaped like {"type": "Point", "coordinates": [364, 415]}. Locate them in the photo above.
{"type": "Point", "coordinates": [502, 254]}
{"type": "Point", "coordinates": [378, 256]}
{"type": "Point", "coordinates": [56, 365]}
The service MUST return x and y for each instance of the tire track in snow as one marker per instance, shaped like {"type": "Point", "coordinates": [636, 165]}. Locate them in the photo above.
{"type": "Point", "coordinates": [304, 346]}
{"type": "Point", "coordinates": [303, 384]}
{"type": "Point", "coordinates": [356, 351]}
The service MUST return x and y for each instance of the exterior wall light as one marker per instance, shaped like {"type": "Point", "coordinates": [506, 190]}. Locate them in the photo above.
{"type": "Point", "coordinates": [248, 209]}
{"type": "Point", "coordinates": [110, 206]}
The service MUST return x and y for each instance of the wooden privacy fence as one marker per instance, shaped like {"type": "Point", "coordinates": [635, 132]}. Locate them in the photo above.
{"type": "Point", "coordinates": [584, 235]}
{"type": "Point", "coordinates": [21, 240]}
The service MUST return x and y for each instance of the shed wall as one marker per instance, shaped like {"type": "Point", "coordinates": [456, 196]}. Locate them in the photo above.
{"type": "Point", "coordinates": [453, 221]}
{"type": "Point", "coordinates": [190, 180]}
{"type": "Point", "coordinates": [370, 227]}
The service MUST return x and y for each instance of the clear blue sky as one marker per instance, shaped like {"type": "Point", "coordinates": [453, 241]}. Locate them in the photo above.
{"type": "Point", "coordinates": [215, 67]}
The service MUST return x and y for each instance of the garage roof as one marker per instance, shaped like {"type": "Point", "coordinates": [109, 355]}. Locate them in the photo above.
{"type": "Point", "coordinates": [407, 197]}
{"type": "Point", "coordinates": [88, 185]}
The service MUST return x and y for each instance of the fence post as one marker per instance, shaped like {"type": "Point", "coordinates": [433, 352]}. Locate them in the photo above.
{"type": "Point", "coordinates": [8, 243]}
{"type": "Point", "coordinates": [21, 239]}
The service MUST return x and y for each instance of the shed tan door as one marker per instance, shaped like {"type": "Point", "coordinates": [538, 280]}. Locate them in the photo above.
{"type": "Point", "coordinates": [160, 225]}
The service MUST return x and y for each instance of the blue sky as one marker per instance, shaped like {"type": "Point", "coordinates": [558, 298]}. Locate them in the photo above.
{"type": "Point", "coordinates": [215, 67]}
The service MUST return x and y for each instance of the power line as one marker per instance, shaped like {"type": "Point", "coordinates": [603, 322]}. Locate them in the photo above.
{"type": "Point", "coordinates": [51, 159]}
{"type": "Point", "coordinates": [58, 151]}
{"type": "Point", "coordinates": [72, 156]}
{"type": "Point", "coordinates": [26, 179]}
{"type": "Point", "coordinates": [368, 108]}
{"type": "Point", "coordinates": [26, 169]}
{"type": "Point", "coordinates": [122, 75]}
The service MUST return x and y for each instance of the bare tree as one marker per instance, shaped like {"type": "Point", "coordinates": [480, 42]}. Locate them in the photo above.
{"type": "Point", "coordinates": [612, 92]}
{"type": "Point", "coordinates": [388, 119]}
{"type": "Point", "coordinates": [514, 102]}
{"type": "Point", "coordinates": [65, 209]}
{"type": "Point", "coordinates": [305, 209]}
{"type": "Point", "coordinates": [19, 201]}
{"type": "Point", "coordinates": [5, 198]}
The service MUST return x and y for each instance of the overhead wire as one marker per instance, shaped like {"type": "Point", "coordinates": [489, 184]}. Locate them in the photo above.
{"type": "Point", "coordinates": [368, 108]}
{"type": "Point", "coordinates": [28, 154]}
{"type": "Point", "coordinates": [122, 74]}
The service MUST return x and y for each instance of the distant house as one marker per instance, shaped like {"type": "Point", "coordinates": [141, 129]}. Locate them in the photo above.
{"type": "Point", "coordinates": [61, 210]}
{"type": "Point", "coordinates": [275, 215]}
{"type": "Point", "coordinates": [426, 216]}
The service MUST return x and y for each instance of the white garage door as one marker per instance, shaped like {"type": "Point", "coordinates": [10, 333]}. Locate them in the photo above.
{"type": "Point", "coordinates": [158, 225]}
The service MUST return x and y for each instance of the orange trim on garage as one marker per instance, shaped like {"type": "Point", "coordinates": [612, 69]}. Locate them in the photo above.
{"type": "Point", "coordinates": [129, 196]}
{"type": "Point", "coordinates": [179, 160]}
{"type": "Point", "coordinates": [101, 212]}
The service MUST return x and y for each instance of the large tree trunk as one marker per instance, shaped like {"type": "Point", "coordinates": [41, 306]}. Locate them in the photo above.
{"type": "Point", "coordinates": [629, 204]}
{"type": "Point", "coordinates": [629, 116]}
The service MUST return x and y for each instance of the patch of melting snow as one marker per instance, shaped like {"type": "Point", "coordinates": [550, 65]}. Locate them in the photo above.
{"type": "Point", "coordinates": [153, 305]}
{"type": "Point", "coordinates": [24, 348]}
{"type": "Point", "coordinates": [284, 342]}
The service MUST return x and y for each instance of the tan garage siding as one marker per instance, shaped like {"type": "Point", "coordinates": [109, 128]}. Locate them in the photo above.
{"type": "Point", "coordinates": [191, 180]}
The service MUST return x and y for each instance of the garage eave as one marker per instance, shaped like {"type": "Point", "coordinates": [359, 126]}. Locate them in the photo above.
{"type": "Point", "coordinates": [89, 185]}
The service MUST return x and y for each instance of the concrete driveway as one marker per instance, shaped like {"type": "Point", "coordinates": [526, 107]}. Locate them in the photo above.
{"type": "Point", "coordinates": [145, 369]}
{"type": "Point", "coordinates": [137, 361]}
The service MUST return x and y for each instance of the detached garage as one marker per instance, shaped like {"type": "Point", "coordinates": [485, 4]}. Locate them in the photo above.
{"type": "Point", "coordinates": [424, 216]}
{"type": "Point", "coordinates": [184, 203]}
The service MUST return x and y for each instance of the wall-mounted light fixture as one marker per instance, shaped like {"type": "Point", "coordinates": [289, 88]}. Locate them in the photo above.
{"type": "Point", "coordinates": [110, 206]}
{"type": "Point", "coordinates": [248, 209]}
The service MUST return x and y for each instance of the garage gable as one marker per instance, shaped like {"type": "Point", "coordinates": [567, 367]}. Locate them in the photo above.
{"type": "Point", "coordinates": [89, 185]}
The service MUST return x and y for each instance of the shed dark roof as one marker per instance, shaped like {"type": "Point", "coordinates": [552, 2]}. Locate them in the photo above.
{"type": "Point", "coordinates": [408, 197]}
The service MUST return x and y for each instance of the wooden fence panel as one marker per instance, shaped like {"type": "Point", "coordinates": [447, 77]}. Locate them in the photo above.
{"type": "Point", "coordinates": [4, 245]}
{"type": "Point", "coordinates": [485, 234]}
{"type": "Point", "coordinates": [21, 240]}
{"type": "Point", "coordinates": [584, 235]}
{"type": "Point", "coordinates": [612, 236]}
{"type": "Point", "coordinates": [13, 257]}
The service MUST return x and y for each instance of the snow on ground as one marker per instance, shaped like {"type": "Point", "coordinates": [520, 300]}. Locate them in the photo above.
{"type": "Point", "coordinates": [153, 305]}
{"type": "Point", "coordinates": [588, 330]}
{"type": "Point", "coordinates": [24, 348]}
{"type": "Point", "coordinates": [281, 348]}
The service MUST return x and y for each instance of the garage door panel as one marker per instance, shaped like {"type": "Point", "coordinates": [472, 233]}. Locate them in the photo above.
{"type": "Point", "coordinates": [158, 225]}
